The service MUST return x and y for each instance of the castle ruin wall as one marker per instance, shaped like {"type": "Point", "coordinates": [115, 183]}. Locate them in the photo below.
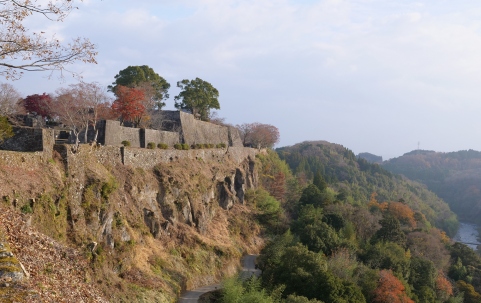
{"type": "Point", "coordinates": [28, 139]}
{"type": "Point", "coordinates": [112, 133]}
{"type": "Point", "coordinates": [195, 131]}
{"type": "Point", "coordinates": [159, 136]}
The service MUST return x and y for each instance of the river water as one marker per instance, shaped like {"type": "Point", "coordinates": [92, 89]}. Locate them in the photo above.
{"type": "Point", "coordinates": [467, 233]}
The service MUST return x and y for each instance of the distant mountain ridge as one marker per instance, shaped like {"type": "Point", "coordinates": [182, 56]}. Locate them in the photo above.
{"type": "Point", "coordinates": [370, 157]}
{"type": "Point", "coordinates": [453, 176]}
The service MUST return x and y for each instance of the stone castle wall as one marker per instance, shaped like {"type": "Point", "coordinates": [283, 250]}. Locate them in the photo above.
{"type": "Point", "coordinates": [148, 158]}
{"type": "Point", "coordinates": [112, 133]}
{"type": "Point", "coordinates": [234, 137]}
{"type": "Point", "coordinates": [27, 139]}
{"type": "Point", "coordinates": [181, 128]}
{"type": "Point", "coordinates": [195, 131]}
{"type": "Point", "coordinates": [159, 136]}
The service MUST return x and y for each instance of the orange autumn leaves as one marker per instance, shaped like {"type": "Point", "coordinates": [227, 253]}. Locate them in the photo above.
{"type": "Point", "coordinates": [399, 210]}
{"type": "Point", "coordinates": [390, 289]}
{"type": "Point", "coordinates": [444, 288]}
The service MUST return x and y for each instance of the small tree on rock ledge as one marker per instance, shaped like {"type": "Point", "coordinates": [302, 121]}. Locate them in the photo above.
{"type": "Point", "coordinates": [258, 135]}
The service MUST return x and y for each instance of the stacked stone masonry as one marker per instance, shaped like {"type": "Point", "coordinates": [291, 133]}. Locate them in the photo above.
{"type": "Point", "coordinates": [178, 127]}
{"type": "Point", "coordinates": [28, 139]}
{"type": "Point", "coordinates": [29, 145]}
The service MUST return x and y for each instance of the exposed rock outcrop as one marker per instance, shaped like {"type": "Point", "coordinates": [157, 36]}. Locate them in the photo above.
{"type": "Point", "coordinates": [11, 270]}
{"type": "Point", "coordinates": [166, 220]}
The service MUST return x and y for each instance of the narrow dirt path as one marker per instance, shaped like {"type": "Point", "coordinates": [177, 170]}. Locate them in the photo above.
{"type": "Point", "coordinates": [248, 269]}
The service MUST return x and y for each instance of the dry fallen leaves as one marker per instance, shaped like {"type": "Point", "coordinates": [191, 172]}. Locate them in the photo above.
{"type": "Point", "coordinates": [58, 273]}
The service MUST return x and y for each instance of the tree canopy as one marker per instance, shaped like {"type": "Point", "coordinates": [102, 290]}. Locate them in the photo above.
{"type": "Point", "coordinates": [129, 105]}
{"type": "Point", "coordinates": [198, 97]}
{"type": "Point", "coordinates": [10, 98]}
{"type": "Point", "coordinates": [258, 135]}
{"type": "Point", "coordinates": [24, 50]}
{"type": "Point", "coordinates": [154, 87]}
{"type": "Point", "coordinates": [39, 104]}
{"type": "Point", "coordinates": [81, 105]}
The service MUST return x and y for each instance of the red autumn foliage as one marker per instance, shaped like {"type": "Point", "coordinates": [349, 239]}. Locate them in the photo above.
{"type": "Point", "coordinates": [390, 289]}
{"type": "Point", "coordinates": [129, 104]}
{"type": "Point", "coordinates": [40, 104]}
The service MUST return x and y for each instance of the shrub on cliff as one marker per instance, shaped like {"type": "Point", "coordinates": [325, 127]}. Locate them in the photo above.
{"type": "Point", "coordinates": [185, 146]}
{"type": "Point", "coordinates": [162, 146]}
{"type": "Point", "coordinates": [126, 143]}
{"type": "Point", "coordinates": [178, 146]}
{"type": "Point", "coordinates": [26, 209]}
{"type": "Point", "coordinates": [6, 130]}
{"type": "Point", "coordinates": [151, 145]}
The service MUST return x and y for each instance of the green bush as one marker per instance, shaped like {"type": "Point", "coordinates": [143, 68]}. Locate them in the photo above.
{"type": "Point", "coordinates": [178, 146]}
{"type": "Point", "coordinates": [198, 146]}
{"type": "Point", "coordinates": [151, 145]}
{"type": "Point", "coordinates": [185, 146]}
{"type": "Point", "coordinates": [26, 209]}
{"type": "Point", "coordinates": [210, 145]}
{"type": "Point", "coordinates": [108, 187]}
{"type": "Point", "coordinates": [162, 146]}
{"type": "Point", "coordinates": [221, 145]}
{"type": "Point", "coordinates": [126, 143]}
{"type": "Point", "coordinates": [6, 130]}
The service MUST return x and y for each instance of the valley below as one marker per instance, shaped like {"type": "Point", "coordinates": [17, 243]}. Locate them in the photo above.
{"type": "Point", "coordinates": [468, 234]}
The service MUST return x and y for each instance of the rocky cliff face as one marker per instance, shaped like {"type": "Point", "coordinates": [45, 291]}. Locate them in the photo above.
{"type": "Point", "coordinates": [148, 231]}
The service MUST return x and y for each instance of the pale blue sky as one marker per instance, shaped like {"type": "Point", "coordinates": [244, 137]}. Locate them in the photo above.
{"type": "Point", "coordinates": [375, 76]}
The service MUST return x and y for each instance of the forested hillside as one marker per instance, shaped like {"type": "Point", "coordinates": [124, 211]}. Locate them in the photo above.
{"type": "Point", "coordinates": [343, 230]}
{"type": "Point", "coordinates": [356, 179]}
{"type": "Point", "coordinates": [455, 177]}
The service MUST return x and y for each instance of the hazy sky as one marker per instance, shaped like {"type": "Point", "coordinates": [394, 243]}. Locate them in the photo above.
{"type": "Point", "coordinates": [374, 76]}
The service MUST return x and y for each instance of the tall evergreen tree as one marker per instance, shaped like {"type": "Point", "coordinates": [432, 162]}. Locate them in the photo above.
{"type": "Point", "coordinates": [390, 232]}
{"type": "Point", "coordinates": [319, 181]}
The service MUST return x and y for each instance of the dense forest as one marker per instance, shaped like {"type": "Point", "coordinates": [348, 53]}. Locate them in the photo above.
{"type": "Point", "coordinates": [454, 176]}
{"type": "Point", "coordinates": [356, 179]}
{"type": "Point", "coordinates": [344, 230]}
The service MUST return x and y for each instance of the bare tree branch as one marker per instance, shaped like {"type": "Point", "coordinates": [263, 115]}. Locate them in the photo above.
{"type": "Point", "coordinates": [22, 50]}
